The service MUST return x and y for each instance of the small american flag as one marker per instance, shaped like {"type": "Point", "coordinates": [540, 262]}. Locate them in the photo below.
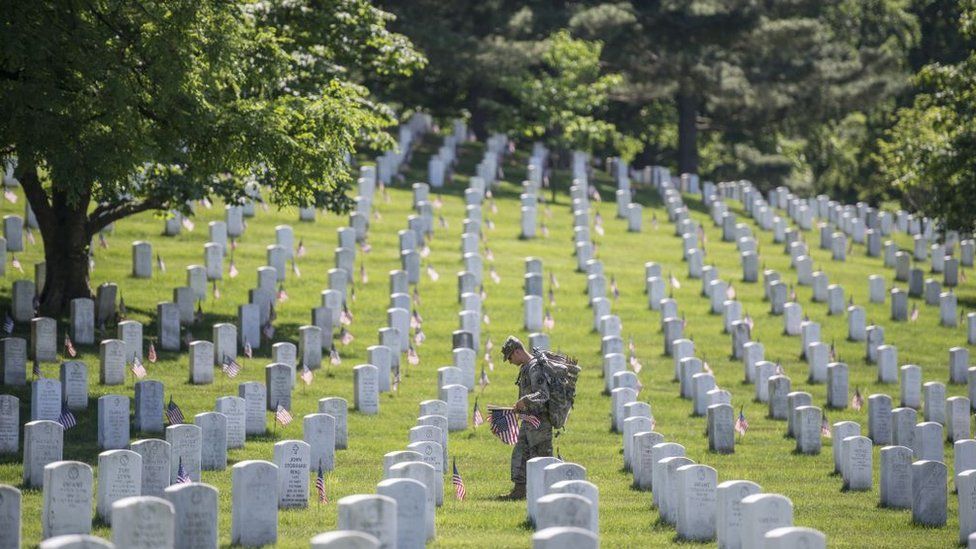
{"type": "Point", "coordinates": [188, 224]}
{"type": "Point", "coordinates": [489, 345]}
{"type": "Point", "coordinates": [490, 224]}
{"type": "Point", "coordinates": [123, 310]}
{"type": "Point", "coordinates": [206, 202]}
{"type": "Point", "coordinates": [416, 321]}
{"type": "Point", "coordinates": [613, 288]}
{"type": "Point", "coordinates": [8, 324]}
{"type": "Point", "coordinates": [489, 255]}
{"type": "Point", "coordinates": [282, 415]}
{"type": "Point", "coordinates": [545, 230]}
{"type": "Point", "coordinates": [915, 311]}
{"type": "Point", "coordinates": [833, 353]}
{"type": "Point", "coordinates": [30, 237]}
{"type": "Point", "coordinates": [674, 282]}
{"type": "Point", "coordinates": [102, 241]}
{"type": "Point", "coordinates": [825, 428]}
{"type": "Point", "coordinates": [412, 357]}
{"type": "Point", "coordinates": [334, 357]}
{"type": "Point", "coordinates": [730, 292]}
{"type": "Point", "coordinates": [16, 263]}
{"type": "Point", "coordinates": [504, 424]}
{"type": "Point", "coordinates": [248, 351]}
{"type": "Point", "coordinates": [320, 486]}
{"type": "Point", "coordinates": [300, 252]}
{"type": "Point", "coordinates": [216, 290]}
{"type": "Point", "coordinates": [36, 369]}
{"type": "Point", "coordinates": [307, 375]}
{"type": "Point", "coordinates": [552, 280]}
{"type": "Point", "coordinates": [485, 318]}
{"type": "Point", "coordinates": [741, 424]}
{"type": "Point", "coordinates": [484, 379]}
{"type": "Point", "coordinates": [160, 263]}
{"type": "Point", "coordinates": [418, 336]}
{"type": "Point", "coordinates": [173, 413]}
{"type": "Point", "coordinates": [182, 477]}
{"type": "Point", "coordinates": [268, 330]}
{"type": "Point", "coordinates": [441, 221]}
{"type": "Point", "coordinates": [425, 250]}
{"type": "Point", "coordinates": [548, 322]}
{"type": "Point", "coordinates": [152, 353]}
{"type": "Point", "coordinates": [363, 277]}
{"type": "Point", "coordinates": [432, 273]}
{"type": "Point", "coordinates": [495, 277]}
{"type": "Point", "coordinates": [345, 336]}
{"type": "Point", "coordinates": [138, 369]}
{"type": "Point", "coordinates": [396, 381]}
{"type": "Point", "coordinates": [857, 401]}
{"type": "Point", "coordinates": [198, 315]}
{"type": "Point", "coordinates": [282, 294]}
{"type": "Point", "coordinates": [476, 418]}
{"type": "Point", "coordinates": [531, 420]}
{"type": "Point", "coordinates": [482, 292]}
{"type": "Point", "coordinates": [345, 316]}
{"type": "Point", "coordinates": [364, 245]}
{"type": "Point", "coordinates": [552, 297]}
{"type": "Point", "coordinates": [295, 269]}
{"type": "Point", "coordinates": [230, 367]}
{"type": "Point", "coordinates": [69, 347]}
{"type": "Point", "coordinates": [66, 419]}
{"type": "Point", "coordinates": [233, 272]}
{"type": "Point", "coordinates": [458, 482]}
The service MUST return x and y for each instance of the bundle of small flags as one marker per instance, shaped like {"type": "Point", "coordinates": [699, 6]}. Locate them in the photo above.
{"type": "Point", "coordinates": [282, 415]}
{"type": "Point", "coordinates": [741, 425]}
{"type": "Point", "coordinates": [138, 369]}
{"type": "Point", "coordinates": [504, 424]}
{"type": "Point", "coordinates": [173, 413]}
{"type": "Point", "coordinates": [458, 482]}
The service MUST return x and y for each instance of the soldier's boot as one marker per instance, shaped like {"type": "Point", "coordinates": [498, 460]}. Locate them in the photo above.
{"type": "Point", "coordinates": [517, 493]}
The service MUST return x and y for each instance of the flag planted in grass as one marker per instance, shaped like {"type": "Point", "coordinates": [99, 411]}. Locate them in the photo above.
{"type": "Point", "coordinates": [476, 418]}
{"type": "Point", "coordinates": [138, 369]}
{"type": "Point", "coordinates": [69, 347]}
{"type": "Point", "coordinates": [173, 413]}
{"type": "Point", "coordinates": [320, 486]}
{"type": "Point", "coordinates": [282, 415]}
{"type": "Point", "coordinates": [66, 419]}
{"type": "Point", "coordinates": [459, 491]}
{"type": "Point", "coordinates": [182, 477]}
{"type": "Point", "coordinates": [230, 367]}
{"type": "Point", "coordinates": [741, 424]}
{"type": "Point", "coordinates": [307, 375]}
{"type": "Point", "coordinates": [857, 401]}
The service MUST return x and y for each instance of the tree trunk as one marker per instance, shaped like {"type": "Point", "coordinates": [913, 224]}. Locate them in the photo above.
{"type": "Point", "coordinates": [66, 256]}
{"type": "Point", "coordinates": [687, 132]}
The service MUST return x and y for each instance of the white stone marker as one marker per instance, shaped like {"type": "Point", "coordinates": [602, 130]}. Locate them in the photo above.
{"type": "Point", "coordinates": [789, 537]}
{"type": "Point", "coordinates": [411, 502]}
{"type": "Point", "coordinates": [155, 455]}
{"type": "Point", "coordinates": [196, 517]}
{"type": "Point", "coordinates": [143, 522]}
{"type": "Point", "coordinates": [67, 499]}
{"type": "Point", "coordinates": [728, 516]}
{"type": "Point", "coordinates": [373, 514]}
{"type": "Point", "coordinates": [896, 477]}
{"type": "Point", "coordinates": [10, 517]}
{"type": "Point", "coordinates": [186, 443]}
{"type": "Point", "coordinates": [119, 476]}
{"type": "Point", "coordinates": [292, 460]}
{"type": "Point", "coordinates": [213, 450]}
{"type": "Point", "coordinates": [563, 510]}
{"type": "Point", "coordinates": [929, 497]}
{"type": "Point", "coordinates": [696, 502]}
{"type": "Point", "coordinates": [762, 513]}
{"type": "Point", "coordinates": [254, 515]}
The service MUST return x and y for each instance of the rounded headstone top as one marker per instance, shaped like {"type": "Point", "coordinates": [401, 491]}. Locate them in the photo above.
{"type": "Point", "coordinates": [76, 541]}
{"type": "Point", "coordinates": [345, 539]}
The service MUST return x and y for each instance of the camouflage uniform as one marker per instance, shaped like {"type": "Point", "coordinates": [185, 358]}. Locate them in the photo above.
{"type": "Point", "coordinates": [534, 396]}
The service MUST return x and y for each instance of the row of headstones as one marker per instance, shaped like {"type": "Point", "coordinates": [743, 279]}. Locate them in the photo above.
{"type": "Point", "coordinates": [151, 465]}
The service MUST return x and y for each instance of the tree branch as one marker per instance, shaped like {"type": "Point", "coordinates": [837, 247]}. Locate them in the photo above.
{"type": "Point", "coordinates": [99, 220]}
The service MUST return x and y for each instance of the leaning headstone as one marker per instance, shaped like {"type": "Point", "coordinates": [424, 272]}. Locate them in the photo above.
{"type": "Point", "coordinates": [254, 507]}
{"type": "Point", "coordinates": [119, 476]}
{"type": "Point", "coordinates": [196, 516]}
{"type": "Point", "coordinates": [292, 460]}
{"type": "Point", "coordinates": [929, 493]}
{"type": "Point", "coordinates": [154, 455]}
{"type": "Point", "coordinates": [67, 497]}
{"type": "Point", "coordinates": [373, 514]}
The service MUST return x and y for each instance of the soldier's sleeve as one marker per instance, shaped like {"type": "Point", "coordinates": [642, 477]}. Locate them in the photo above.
{"type": "Point", "coordinates": [536, 402]}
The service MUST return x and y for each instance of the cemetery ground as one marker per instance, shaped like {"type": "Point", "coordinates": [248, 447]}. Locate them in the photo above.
{"type": "Point", "coordinates": [764, 455]}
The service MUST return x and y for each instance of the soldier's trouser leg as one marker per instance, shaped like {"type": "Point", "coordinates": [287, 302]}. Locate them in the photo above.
{"type": "Point", "coordinates": [531, 443]}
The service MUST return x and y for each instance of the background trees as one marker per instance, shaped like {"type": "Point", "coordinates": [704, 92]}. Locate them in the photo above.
{"type": "Point", "coordinates": [113, 107]}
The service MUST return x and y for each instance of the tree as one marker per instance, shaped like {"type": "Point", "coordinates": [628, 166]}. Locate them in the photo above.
{"type": "Point", "coordinates": [560, 95]}
{"type": "Point", "coordinates": [112, 108]}
{"type": "Point", "coordinates": [930, 153]}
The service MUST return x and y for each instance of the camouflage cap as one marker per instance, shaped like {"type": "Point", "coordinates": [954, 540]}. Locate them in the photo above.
{"type": "Point", "coordinates": [510, 345]}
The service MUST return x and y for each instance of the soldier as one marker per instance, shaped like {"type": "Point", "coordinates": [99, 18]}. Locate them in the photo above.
{"type": "Point", "coordinates": [533, 400]}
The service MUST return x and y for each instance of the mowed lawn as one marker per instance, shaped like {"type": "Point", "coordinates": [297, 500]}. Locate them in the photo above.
{"type": "Point", "coordinates": [763, 455]}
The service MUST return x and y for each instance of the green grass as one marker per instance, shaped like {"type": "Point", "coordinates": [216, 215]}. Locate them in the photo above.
{"type": "Point", "coordinates": [764, 455]}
